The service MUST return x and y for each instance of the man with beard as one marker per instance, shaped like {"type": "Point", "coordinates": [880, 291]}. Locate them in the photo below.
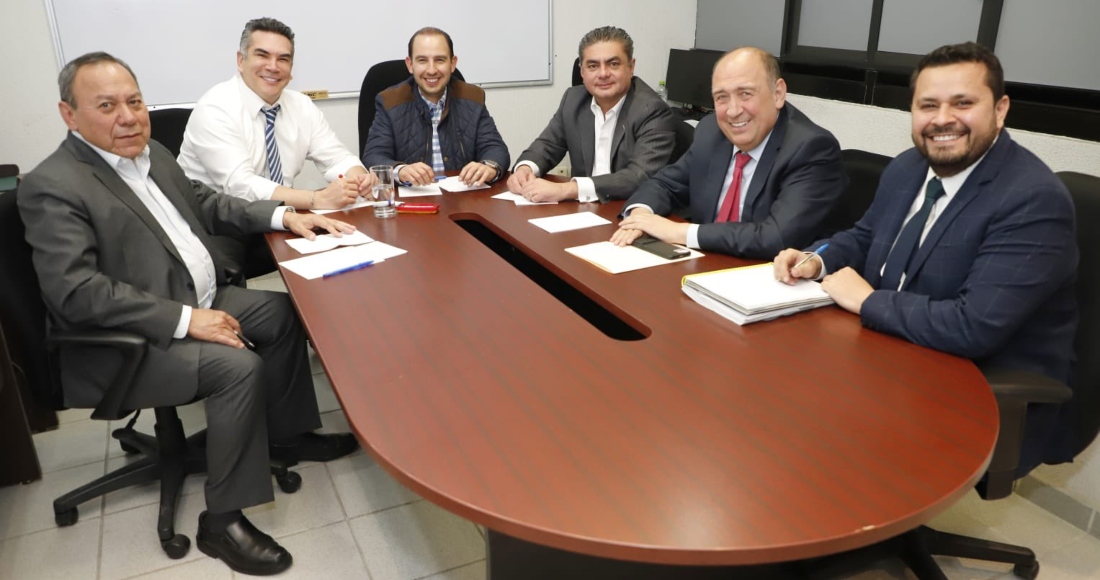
{"type": "Point", "coordinates": [969, 245]}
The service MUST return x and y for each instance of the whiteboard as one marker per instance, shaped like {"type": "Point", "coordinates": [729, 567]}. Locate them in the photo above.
{"type": "Point", "coordinates": [180, 48]}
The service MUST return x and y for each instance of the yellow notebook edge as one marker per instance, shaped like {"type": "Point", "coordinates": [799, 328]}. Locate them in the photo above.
{"type": "Point", "coordinates": [684, 280]}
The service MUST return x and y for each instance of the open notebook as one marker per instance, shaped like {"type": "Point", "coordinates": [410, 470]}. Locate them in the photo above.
{"type": "Point", "coordinates": [751, 293]}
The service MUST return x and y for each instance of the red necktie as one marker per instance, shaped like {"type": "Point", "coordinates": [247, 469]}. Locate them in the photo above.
{"type": "Point", "coordinates": [730, 206]}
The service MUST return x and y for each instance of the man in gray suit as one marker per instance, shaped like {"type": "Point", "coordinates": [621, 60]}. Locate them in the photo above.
{"type": "Point", "coordinates": [759, 176]}
{"type": "Point", "coordinates": [120, 240]}
{"type": "Point", "coordinates": [617, 131]}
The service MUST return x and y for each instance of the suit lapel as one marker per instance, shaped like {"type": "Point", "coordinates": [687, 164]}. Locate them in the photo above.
{"type": "Point", "coordinates": [901, 195]}
{"type": "Point", "coordinates": [620, 124]}
{"type": "Point", "coordinates": [764, 166]}
{"type": "Point", "coordinates": [110, 179]}
{"type": "Point", "coordinates": [983, 173]}
{"type": "Point", "coordinates": [722, 155]}
{"type": "Point", "coordinates": [588, 135]}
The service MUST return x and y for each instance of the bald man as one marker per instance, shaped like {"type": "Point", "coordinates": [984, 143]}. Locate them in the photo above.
{"type": "Point", "coordinates": [759, 176]}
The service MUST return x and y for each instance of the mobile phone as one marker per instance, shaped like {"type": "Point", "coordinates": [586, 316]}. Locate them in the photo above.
{"type": "Point", "coordinates": [659, 248]}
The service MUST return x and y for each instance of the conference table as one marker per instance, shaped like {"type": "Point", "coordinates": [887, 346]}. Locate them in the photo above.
{"type": "Point", "coordinates": [607, 426]}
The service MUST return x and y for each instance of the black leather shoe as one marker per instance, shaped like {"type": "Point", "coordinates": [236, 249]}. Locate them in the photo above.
{"type": "Point", "coordinates": [314, 447]}
{"type": "Point", "coordinates": [244, 548]}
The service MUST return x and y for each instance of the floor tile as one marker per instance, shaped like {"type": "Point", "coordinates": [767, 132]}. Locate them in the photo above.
{"type": "Point", "coordinates": [130, 543]}
{"type": "Point", "coordinates": [1080, 559]}
{"type": "Point", "coordinates": [416, 540]}
{"type": "Point", "coordinates": [79, 443]}
{"type": "Point", "coordinates": [61, 553]}
{"type": "Point", "coordinates": [364, 487]}
{"type": "Point", "coordinates": [273, 284]}
{"type": "Point", "coordinates": [72, 415]}
{"type": "Point", "coordinates": [29, 508]}
{"type": "Point", "coordinates": [330, 549]}
{"type": "Point", "coordinates": [313, 506]}
{"type": "Point", "coordinates": [202, 569]}
{"type": "Point", "coordinates": [1018, 521]}
{"type": "Point", "coordinates": [137, 496]}
{"type": "Point", "coordinates": [326, 398]}
{"type": "Point", "coordinates": [475, 571]}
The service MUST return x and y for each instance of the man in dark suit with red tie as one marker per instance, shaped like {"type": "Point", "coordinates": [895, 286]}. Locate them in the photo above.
{"type": "Point", "coordinates": [759, 176]}
{"type": "Point", "coordinates": [969, 245]}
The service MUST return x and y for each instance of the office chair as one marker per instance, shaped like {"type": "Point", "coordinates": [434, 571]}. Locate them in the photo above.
{"type": "Point", "coordinates": [166, 127]}
{"type": "Point", "coordinates": [863, 169]}
{"type": "Point", "coordinates": [168, 457]}
{"type": "Point", "coordinates": [577, 80]}
{"type": "Point", "coordinates": [1014, 390]}
{"type": "Point", "coordinates": [685, 134]}
{"type": "Point", "coordinates": [379, 78]}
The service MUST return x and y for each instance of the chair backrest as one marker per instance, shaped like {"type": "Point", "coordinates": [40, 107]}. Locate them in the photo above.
{"type": "Point", "coordinates": [863, 169]}
{"type": "Point", "coordinates": [166, 127]}
{"type": "Point", "coordinates": [577, 80]}
{"type": "Point", "coordinates": [379, 78]}
{"type": "Point", "coordinates": [1085, 190]}
{"type": "Point", "coordinates": [685, 134]}
{"type": "Point", "coordinates": [22, 312]}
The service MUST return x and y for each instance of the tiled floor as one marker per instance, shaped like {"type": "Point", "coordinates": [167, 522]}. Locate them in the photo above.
{"type": "Point", "coordinates": [351, 520]}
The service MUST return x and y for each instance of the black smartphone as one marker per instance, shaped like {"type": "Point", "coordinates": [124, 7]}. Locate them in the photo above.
{"type": "Point", "coordinates": [659, 248]}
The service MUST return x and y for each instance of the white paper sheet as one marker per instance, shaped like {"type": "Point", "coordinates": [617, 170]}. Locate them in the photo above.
{"type": "Point", "coordinates": [619, 259]}
{"type": "Point", "coordinates": [359, 202]}
{"type": "Point", "coordinates": [418, 190]}
{"type": "Point", "coordinates": [316, 266]}
{"type": "Point", "coordinates": [567, 222]}
{"type": "Point", "coordinates": [519, 200]}
{"type": "Point", "coordinates": [454, 185]}
{"type": "Point", "coordinates": [327, 242]}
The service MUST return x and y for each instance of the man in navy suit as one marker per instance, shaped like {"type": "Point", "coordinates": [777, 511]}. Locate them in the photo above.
{"type": "Point", "coordinates": [760, 176]}
{"type": "Point", "coordinates": [969, 245]}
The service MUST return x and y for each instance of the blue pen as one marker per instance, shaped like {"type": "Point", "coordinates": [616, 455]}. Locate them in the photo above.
{"type": "Point", "coordinates": [348, 269]}
{"type": "Point", "coordinates": [816, 252]}
{"type": "Point", "coordinates": [440, 177]}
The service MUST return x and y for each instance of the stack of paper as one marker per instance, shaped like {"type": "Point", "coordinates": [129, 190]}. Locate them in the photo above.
{"type": "Point", "coordinates": [519, 199]}
{"type": "Point", "coordinates": [418, 190]}
{"type": "Point", "coordinates": [569, 221]}
{"type": "Point", "coordinates": [454, 185]}
{"type": "Point", "coordinates": [750, 294]}
{"type": "Point", "coordinates": [326, 242]}
{"type": "Point", "coordinates": [619, 259]}
{"type": "Point", "coordinates": [316, 266]}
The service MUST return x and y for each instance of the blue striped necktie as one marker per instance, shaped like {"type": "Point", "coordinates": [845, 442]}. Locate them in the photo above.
{"type": "Point", "coordinates": [274, 165]}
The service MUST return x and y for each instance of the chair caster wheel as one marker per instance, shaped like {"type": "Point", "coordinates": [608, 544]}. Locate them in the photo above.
{"type": "Point", "coordinates": [1027, 571]}
{"type": "Point", "coordinates": [290, 482]}
{"type": "Point", "coordinates": [177, 547]}
{"type": "Point", "coordinates": [66, 518]}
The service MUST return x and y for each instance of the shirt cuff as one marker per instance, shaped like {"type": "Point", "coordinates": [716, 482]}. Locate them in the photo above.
{"type": "Point", "coordinates": [534, 168]}
{"type": "Point", "coordinates": [185, 321]}
{"type": "Point", "coordinates": [586, 189]}
{"type": "Point", "coordinates": [631, 207]}
{"type": "Point", "coordinates": [277, 218]}
{"type": "Point", "coordinates": [822, 272]}
{"type": "Point", "coordinates": [693, 237]}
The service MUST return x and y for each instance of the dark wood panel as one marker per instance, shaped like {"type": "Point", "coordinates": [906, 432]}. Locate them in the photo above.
{"type": "Point", "coordinates": [702, 443]}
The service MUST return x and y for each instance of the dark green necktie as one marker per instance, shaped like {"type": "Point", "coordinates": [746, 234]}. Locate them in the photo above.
{"type": "Point", "coordinates": [909, 239]}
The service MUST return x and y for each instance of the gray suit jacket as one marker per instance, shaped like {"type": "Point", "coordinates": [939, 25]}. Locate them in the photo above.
{"type": "Point", "coordinates": [103, 261]}
{"type": "Point", "coordinates": [644, 137]}
{"type": "Point", "coordinates": [797, 181]}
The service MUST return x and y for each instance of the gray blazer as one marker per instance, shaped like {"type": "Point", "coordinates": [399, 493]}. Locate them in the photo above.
{"type": "Point", "coordinates": [644, 137]}
{"type": "Point", "coordinates": [103, 261]}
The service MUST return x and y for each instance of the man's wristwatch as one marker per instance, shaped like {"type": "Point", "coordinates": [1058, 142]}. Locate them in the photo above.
{"type": "Point", "coordinates": [495, 166]}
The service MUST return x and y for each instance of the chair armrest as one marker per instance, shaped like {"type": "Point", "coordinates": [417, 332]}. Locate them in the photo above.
{"type": "Point", "coordinates": [1027, 386]}
{"type": "Point", "coordinates": [131, 346]}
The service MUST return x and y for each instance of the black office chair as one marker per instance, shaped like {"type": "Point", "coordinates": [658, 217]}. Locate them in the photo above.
{"type": "Point", "coordinates": [379, 78]}
{"type": "Point", "coordinates": [863, 169]}
{"type": "Point", "coordinates": [577, 79]}
{"type": "Point", "coordinates": [685, 134]}
{"type": "Point", "coordinates": [168, 457]}
{"type": "Point", "coordinates": [1014, 391]}
{"type": "Point", "coordinates": [166, 127]}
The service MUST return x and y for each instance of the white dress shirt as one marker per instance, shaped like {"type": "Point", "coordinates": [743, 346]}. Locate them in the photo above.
{"type": "Point", "coordinates": [135, 172]}
{"type": "Point", "coordinates": [223, 145]}
{"type": "Point", "coordinates": [604, 128]}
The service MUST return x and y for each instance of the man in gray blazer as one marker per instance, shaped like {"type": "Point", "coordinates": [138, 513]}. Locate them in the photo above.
{"type": "Point", "coordinates": [617, 131]}
{"type": "Point", "coordinates": [758, 177]}
{"type": "Point", "coordinates": [120, 240]}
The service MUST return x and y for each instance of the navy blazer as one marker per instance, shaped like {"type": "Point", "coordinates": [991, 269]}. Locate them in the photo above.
{"type": "Point", "coordinates": [994, 279]}
{"type": "Point", "coordinates": [796, 183]}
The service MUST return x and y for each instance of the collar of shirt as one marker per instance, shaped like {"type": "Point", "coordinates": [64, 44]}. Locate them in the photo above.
{"type": "Point", "coordinates": [757, 151]}
{"type": "Point", "coordinates": [251, 101]}
{"type": "Point", "coordinates": [611, 113]}
{"type": "Point", "coordinates": [952, 185]}
{"type": "Point", "coordinates": [141, 162]}
{"type": "Point", "coordinates": [433, 108]}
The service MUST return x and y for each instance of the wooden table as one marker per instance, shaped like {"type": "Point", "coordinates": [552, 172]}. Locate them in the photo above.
{"type": "Point", "coordinates": [702, 443]}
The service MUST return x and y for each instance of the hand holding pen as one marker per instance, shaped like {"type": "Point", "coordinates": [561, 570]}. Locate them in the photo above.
{"type": "Point", "coordinates": [791, 265]}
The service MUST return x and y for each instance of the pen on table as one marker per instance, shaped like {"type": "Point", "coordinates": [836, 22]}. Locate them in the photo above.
{"type": "Point", "coordinates": [816, 252]}
{"type": "Point", "coordinates": [251, 345]}
{"type": "Point", "coordinates": [351, 268]}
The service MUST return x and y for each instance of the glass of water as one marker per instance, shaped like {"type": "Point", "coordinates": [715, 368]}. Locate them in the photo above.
{"type": "Point", "coordinates": [382, 193]}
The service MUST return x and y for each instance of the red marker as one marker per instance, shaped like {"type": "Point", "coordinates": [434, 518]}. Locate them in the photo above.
{"type": "Point", "coordinates": [341, 176]}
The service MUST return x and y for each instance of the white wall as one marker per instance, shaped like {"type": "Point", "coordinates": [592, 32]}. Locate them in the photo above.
{"type": "Point", "coordinates": [30, 128]}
